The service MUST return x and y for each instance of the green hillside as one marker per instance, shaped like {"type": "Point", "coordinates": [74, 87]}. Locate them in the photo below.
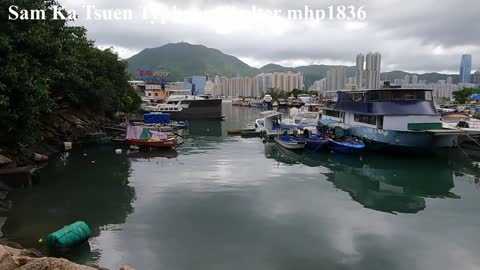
{"type": "Point", "coordinates": [184, 59]}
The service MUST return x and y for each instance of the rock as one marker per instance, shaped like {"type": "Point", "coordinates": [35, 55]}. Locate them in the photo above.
{"type": "Point", "coordinates": [6, 243]}
{"type": "Point", "coordinates": [22, 260]}
{"type": "Point", "coordinates": [4, 160]}
{"type": "Point", "coordinates": [6, 260]}
{"type": "Point", "coordinates": [52, 264]}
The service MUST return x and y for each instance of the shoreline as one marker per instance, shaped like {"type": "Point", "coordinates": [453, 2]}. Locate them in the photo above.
{"type": "Point", "coordinates": [17, 166]}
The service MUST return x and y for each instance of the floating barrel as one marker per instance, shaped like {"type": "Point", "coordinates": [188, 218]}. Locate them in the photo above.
{"type": "Point", "coordinates": [68, 237]}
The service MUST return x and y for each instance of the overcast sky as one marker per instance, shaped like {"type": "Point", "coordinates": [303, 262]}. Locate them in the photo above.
{"type": "Point", "coordinates": [411, 35]}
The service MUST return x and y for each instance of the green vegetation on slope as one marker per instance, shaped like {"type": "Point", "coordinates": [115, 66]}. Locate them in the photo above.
{"type": "Point", "coordinates": [45, 65]}
{"type": "Point", "coordinates": [183, 60]}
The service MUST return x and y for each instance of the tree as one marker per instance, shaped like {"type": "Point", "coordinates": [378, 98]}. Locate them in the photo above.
{"type": "Point", "coordinates": [464, 95]}
{"type": "Point", "coordinates": [48, 64]}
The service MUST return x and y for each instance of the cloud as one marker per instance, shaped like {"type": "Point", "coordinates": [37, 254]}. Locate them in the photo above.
{"type": "Point", "coordinates": [411, 35]}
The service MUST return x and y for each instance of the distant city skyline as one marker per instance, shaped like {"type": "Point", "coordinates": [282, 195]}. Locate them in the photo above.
{"type": "Point", "coordinates": [418, 44]}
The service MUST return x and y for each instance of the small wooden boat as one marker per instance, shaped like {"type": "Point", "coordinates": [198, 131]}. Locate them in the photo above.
{"type": "Point", "coordinates": [239, 131]}
{"type": "Point", "coordinates": [168, 143]}
{"type": "Point", "coordinates": [142, 137]}
{"type": "Point", "coordinates": [290, 142]}
{"type": "Point", "coordinates": [347, 145]}
{"type": "Point", "coordinates": [316, 143]}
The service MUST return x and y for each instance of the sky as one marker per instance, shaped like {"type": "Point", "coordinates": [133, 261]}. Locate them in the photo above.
{"type": "Point", "coordinates": [411, 35]}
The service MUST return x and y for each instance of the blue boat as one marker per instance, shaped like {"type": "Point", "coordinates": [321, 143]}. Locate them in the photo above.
{"type": "Point", "coordinates": [342, 142]}
{"type": "Point", "coordinates": [316, 143]}
{"type": "Point", "coordinates": [348, 145]}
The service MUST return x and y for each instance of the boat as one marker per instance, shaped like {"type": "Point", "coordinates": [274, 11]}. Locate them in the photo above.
{"type": "Point", "coordinates": [316, 143]}
{"type": "Point", "coordinates": [458, 121]}
{"type": "Point", "coordinates": [303, 118]}
{"type": "Point", "coordinates": [144, 138]}
{"type": "Point", "coordinates": [346, 145]}
{"type": "Point", "coordinates": [392, 119]}
{"type": "Point", "coordinates": [271, 125]}
{"type": "Point", "coordinates": [290, 142]}
{"type": "Point", "coordinates": [186, 107]}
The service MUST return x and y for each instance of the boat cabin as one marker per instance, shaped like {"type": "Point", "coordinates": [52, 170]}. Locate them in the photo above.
{"type": "Point", "coordinates": [391, 109]}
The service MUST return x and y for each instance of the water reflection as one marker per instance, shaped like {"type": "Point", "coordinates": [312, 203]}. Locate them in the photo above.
{"type": "Point", "coordinates": [89, 184]}
{"type": "Point", "coordinates": [388, 184]}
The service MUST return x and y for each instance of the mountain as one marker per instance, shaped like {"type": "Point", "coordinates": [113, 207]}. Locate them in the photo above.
{"type": "Point", "coordinates": [184, 59]}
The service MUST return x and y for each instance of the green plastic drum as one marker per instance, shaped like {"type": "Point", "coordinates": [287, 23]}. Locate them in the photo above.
{"type": "Point", "coordinates": [70, 236]}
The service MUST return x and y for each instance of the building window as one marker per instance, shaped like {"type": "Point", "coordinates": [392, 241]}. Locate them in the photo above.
{"type": "Point", "coordinates": [355, 97]}
{"type": "Point", "coordinates": [367, 119]}
{"type": "Point", "coordinates": [332, 113]}
{"type": "Point", "coordinates": [399, 95]}
{"type": "Point", "coordinates": [374, 96]}
{"type": "Point", "coordinates": [149, 94]}
{"type": "Point", "coordinates": [156, 94]}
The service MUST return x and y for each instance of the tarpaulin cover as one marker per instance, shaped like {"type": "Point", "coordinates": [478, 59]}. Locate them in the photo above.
{"type": "Point", "coordinates": [69, 236]}
{"type": "Point", "coordinates": [156, 118]}
{"type": "Point", "coordinates": [141, 133]}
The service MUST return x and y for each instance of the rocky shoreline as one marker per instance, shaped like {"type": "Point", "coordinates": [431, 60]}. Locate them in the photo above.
{"type": "Point", "coordinates": [20, 162]}
{"type": "Point", "coordinates": [18, 258]}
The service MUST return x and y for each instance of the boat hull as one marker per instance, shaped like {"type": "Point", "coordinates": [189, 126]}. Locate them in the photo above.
{"type": "Point", "coordinates": [149, 144]}
{"type": "Point", "coordinates": [292, 145]}
{"type": "Point", "coordinates": [404, 140]}
{"type": "Point", "coordinates": [316, 145]}
{"type": "Point", "coordinates": [346, 148]}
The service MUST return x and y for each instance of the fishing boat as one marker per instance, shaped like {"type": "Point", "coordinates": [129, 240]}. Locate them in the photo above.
{"type": "Point", "coordinates": [271, 125]}
{"type": "Point", "coordinates": [144, 138]}
{"type": "Point", "coordinates": [316, 143]}
{"type": "Point", "coordinates": [346, 145]}
{"type": "Point", "coordinates": [339, 140]}
{"type": "Point", "coordinates": [290, 142]}
{"type": "Point", "coordinates": [392, 119]}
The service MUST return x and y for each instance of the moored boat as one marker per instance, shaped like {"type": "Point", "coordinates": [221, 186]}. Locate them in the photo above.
{"type": "Point", "coordinates": [184, 106]}
{"type": "Point", "coordinates": [290, 142]}
{"type": "Point", "coordinates": [346, 145]}
{"type": "Point", "coordinates": [393, 119]}
{"type": "Point", "coordinates": [144, 138]}
{"type": "Point", "coordinates": [316, 143]}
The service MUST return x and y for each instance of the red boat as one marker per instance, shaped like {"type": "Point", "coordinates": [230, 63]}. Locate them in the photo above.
{"type": "Point", "coordinates": [169, 143]}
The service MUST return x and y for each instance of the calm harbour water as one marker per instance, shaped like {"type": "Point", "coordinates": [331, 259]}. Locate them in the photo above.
{"type": "Point", "coordinates": [221, 202]}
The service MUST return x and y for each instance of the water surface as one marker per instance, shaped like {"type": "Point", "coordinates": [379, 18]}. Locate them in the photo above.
{"type": "Point", "coordinates": [220, 202]}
